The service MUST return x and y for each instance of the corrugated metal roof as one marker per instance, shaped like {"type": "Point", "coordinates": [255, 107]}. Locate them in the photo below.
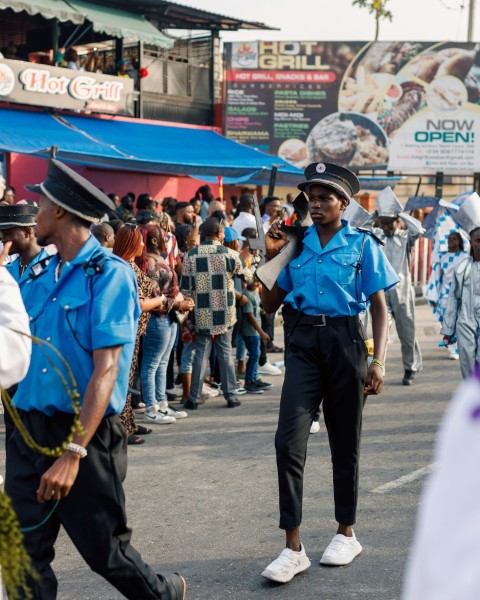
{"type": "Point", "coordinates": [172, 15]}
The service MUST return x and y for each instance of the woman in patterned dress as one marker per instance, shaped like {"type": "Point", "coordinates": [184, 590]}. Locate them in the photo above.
{"type": "Point", "coordinates": [129, 245]}
{"type": "Point", "coordinates": [161, 329]}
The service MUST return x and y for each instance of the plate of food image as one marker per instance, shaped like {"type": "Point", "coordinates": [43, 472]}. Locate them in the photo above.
{"type": "Point", "coordinates": [348, 139]}
{"type": "Point", "coordinates": [295, 152]}
{"type": "Point", "coordinates": [447, 95]}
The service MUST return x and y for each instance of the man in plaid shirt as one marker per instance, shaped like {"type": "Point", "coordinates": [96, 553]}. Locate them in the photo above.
{"type": "Point", "coordinates": [208, 277]}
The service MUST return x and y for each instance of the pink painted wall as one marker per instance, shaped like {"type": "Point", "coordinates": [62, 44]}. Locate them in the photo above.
{"type": "Point", "coordinates": [28, 169]}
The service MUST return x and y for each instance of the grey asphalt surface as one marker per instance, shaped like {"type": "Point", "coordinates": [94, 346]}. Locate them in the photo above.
{"type": "Point", "coordinates": [202, 494]}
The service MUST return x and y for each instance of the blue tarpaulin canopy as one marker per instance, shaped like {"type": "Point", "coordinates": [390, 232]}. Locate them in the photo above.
{"type": "Point", "coordinates": [112, 143]}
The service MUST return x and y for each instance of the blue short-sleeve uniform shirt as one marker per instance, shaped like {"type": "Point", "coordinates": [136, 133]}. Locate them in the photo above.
{"type": "Point", "coordinates": [328, 281]}
{"type": "Point", "coordinates": [81, 312]}
{"type": "Point", "coordinates": [14, 267]}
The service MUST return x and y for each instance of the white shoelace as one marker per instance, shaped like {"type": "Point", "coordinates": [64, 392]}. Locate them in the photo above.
{"type": "Point", "coordinates": [286, 559]}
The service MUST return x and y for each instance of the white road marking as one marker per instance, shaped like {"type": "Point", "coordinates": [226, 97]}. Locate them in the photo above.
{"type": "Point", "coordinates": [404, 480]}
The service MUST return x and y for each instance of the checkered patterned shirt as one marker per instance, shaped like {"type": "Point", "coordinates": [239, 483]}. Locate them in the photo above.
{"type": "Point", "coordinates": [208, 277]}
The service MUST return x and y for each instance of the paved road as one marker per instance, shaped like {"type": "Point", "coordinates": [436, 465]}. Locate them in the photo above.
{"type": "Point", "coordinates": [202, 494]}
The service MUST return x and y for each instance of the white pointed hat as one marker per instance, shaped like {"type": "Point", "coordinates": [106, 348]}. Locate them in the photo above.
{"type": "Point", "coordinates": [355, 214]}
{"type": "Point", "coordinates": [468, 216]}
{"type": "Point", "coordinates": [387, 203]}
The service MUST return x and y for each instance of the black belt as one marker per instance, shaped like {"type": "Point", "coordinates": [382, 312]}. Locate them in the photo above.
{"type": "Point", "coordinates": [299, 318]}
{"type": "Point", "coordinates": [323, 320]}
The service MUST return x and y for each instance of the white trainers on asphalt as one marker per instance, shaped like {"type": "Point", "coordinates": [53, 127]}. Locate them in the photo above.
{"type": "Point", "coordinates": [169, 411]}
{"type": "Point", "coordinates": [315, 427]}
{"type": "Point", "coordinates": [151, 415]}
{"type": "Point", "coordinates": [341, 551]}
{"type": "Point", "coordinates": [210, 391]}
{"type": "Point", "coordinates": [269, 369]}
{"type": "Point", "coordinates": [287, 565]}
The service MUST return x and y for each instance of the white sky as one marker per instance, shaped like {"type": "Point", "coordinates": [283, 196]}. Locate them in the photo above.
{"type": "Point", "coordinates": [415, 20]}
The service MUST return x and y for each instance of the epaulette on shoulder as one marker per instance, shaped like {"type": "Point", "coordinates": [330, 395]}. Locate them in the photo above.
{"type": "Point", "coordinates": [39, 267]}
{"type": "Point", "coordinates": [371, 234]}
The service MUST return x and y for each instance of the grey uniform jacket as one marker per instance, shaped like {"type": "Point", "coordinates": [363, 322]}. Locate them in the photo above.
{"type": "Point", "coordinates": [462, 314]}
{"type": "Point", "coordinates": [397, 249]}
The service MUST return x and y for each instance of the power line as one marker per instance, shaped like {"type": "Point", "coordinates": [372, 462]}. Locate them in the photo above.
{"type": "Point", "coordinates": [461, 7]}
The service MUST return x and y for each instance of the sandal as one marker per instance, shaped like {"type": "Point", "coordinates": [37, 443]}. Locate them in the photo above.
{"type": "Point", "coordinates": [274, 349]}
{"type": "Point", "coordinates": [134, 440]}
{"type": "Point", "coordinates": [141, 430]}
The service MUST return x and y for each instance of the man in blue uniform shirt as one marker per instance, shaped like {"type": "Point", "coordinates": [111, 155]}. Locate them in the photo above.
{"type": "Point", "coordinates": [17, 222]}
{"type": "Point", "coordinates": [337, 273]}
{"type": "Point", "coordinates": [84, 303]}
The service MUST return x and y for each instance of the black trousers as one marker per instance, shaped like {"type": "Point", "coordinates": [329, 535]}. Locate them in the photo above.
{"type": "Point", "coordinates": [93, 514]}
{"type": "Point", "coordinates": [323, 363]}
{"type": "Point", "coordinates": [268, 325]}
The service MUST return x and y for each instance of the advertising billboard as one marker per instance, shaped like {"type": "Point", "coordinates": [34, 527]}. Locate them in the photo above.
{"type": "Point", "coordinates": [402, 106]}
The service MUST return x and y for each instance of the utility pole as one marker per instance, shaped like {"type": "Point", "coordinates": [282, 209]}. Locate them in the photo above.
{"type": "Point", "coordinates": [471, 19]}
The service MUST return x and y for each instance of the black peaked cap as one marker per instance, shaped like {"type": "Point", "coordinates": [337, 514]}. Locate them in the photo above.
{"type": "Point", "coordinates": [18, 215]}
{"type": "Point", "coordinates": [74, 193]}
{"type": "Point", "coordinates": [338, 178]}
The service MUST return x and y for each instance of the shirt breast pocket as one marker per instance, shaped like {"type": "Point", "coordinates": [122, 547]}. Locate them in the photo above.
{"type": "Point", "coordinates": [346, 267]}
{"type": "Point", "coordinates": [76, 321]}
{"type": "Point", "coordinates": [301, 270]}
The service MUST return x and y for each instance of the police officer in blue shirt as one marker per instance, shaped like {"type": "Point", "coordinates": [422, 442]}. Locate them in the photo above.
{"type": "Point", "coordinates": [338, 271]}
{"type": "Point", "coordinates": [17, 222]}
{"type": "Point", "coordinates": [84, 303]}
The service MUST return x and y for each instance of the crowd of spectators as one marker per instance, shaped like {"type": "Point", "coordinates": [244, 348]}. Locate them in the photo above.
{"type": "Point", "coordinates": [203, 331]}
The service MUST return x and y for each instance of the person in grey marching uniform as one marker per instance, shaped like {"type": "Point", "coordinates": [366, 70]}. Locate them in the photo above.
{"type": "Point", "coordinates": [462, 314]}
{"type": "Point", "coordinates": [339, 271]}
{"type": "Point", "coordinates": [398, 244]}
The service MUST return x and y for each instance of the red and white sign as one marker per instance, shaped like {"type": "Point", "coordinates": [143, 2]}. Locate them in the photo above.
{"type": "Point", "coordinates": [58, 87]}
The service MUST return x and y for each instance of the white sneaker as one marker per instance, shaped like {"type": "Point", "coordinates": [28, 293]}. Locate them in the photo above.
{"type": "Point", "coordinates": [240, 391]}
{"type": "Point", "coordinates": [269, 369]}
{"type": "Point", "coordinates": [169, 411]}
{"type": "Point", "coordinates": [341, 551]}
{"type": "Point", "coordinates": [210, 391]}
{"type": "Point", "coordinates": [287, 565]}
{"type": "Point", "coordinates": [315, 427]}
{"type": "Point", "coordinates": [151, 415]}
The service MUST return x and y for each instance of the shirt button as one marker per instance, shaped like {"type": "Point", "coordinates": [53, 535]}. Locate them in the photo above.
{"type": "Point", "coordinates": [54, 299]}
{"type": "Point", "coordinates": [31, 318]}
{"type": "Point", "coordinates": [66, 307]}
{"type": "Point", "coordinates": [44, 370]}
{"type": "Point", "coordinates": [321, 293]}
{"type": "Point", "coordinates": [49, 339]}
{"type": "Point", "coordinates": [344, 264]}
{"type": "Point", "coordinates": [320, 261]}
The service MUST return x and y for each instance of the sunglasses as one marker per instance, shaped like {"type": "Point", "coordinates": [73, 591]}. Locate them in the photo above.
{"type": "Point", "coordinates": [131, 225]}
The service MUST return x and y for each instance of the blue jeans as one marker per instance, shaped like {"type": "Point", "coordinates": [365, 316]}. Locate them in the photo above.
{"type": "Point", "coordinates": [157, 346]}
{"type": "Point", "coordinates": [241, 348]}
{"type": "Point", "coordinates": [188, 352]}
{"type": "Point", "coordinates": [252, 342]}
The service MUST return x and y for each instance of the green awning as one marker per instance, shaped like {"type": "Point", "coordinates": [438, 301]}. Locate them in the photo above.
{"type": "Point", "coordinates": [121, 24]}
{"type": "Point", "coordinates": [50, 9]}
